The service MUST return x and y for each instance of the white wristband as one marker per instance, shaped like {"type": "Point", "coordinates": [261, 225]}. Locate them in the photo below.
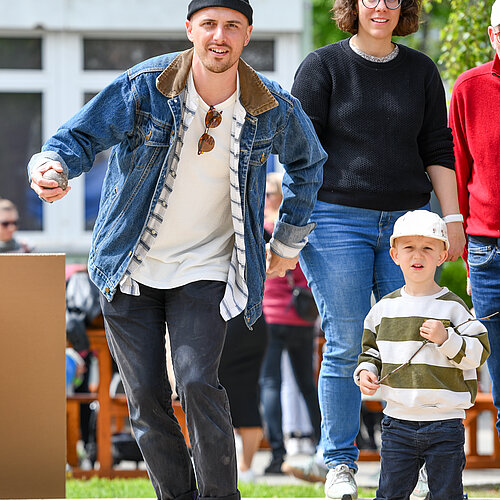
{"type": "Point", "coordinates": [453, 218]}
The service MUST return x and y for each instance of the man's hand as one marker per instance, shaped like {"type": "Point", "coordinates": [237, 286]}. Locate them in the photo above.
{"type": "Point", "coordinates": [47, 189]}
{"type": "Point", "coordinates": [456, 237]}
{"type": "Point", "coordinates": [434, 330]}
{"type": "Point", "coordinates": [278, 266]}
{"type": "Point", "coordinates": [368, 382]}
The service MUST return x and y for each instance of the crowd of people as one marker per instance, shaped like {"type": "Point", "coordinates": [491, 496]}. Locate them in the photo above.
{"type": "Point", "coordinates": [193, 234]}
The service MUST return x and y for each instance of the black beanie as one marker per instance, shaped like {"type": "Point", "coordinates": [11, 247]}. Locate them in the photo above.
{"type": "Point", "coordinates": [242, 6]}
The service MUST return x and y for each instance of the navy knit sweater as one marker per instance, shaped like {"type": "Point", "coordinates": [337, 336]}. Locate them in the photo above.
{"type": "Point", "coordinates": [381, 124]}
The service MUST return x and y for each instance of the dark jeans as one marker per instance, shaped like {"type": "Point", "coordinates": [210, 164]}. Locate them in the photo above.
{"type": "Point", "coordinates": [299, 342]}
{"type": "Point", "coordinates": [135, 329]}
{"type": "Point", "coordinates": [407, 445]}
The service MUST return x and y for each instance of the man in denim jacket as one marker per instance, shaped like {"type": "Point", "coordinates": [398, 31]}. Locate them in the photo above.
{"type": "Point", "coordinates": [179, 234]}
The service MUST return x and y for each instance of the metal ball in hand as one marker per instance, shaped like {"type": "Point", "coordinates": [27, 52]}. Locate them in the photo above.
{"type": "Point", "coordinates": [60, 177]}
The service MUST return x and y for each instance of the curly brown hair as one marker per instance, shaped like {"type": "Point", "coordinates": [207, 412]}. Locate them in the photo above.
{"type": "Point", "coordinates": [345, 14]}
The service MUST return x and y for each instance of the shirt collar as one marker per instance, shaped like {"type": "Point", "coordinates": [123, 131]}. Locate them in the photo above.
{"type": "Point", "coordinates": [496, 66]}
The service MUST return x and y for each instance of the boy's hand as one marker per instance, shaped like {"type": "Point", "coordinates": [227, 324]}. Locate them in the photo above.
{"type": "Point", "coordinates": [434, 330]}
{"type": "Point", "coordinates": [368, 382]}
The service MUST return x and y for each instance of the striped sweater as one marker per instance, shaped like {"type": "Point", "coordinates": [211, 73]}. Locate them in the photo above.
{"type": "Point", "coordinates": [441, 382]}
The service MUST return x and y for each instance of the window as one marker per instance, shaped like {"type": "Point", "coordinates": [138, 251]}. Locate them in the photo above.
{"type": "Point", "coordinates": [260, 55]}
{"type": "Point", "coordinates": [105, 54]}
{"type": "Point", "coordinates": [20, 53]}
{"type": "Point", "coordinates": [20, 138]}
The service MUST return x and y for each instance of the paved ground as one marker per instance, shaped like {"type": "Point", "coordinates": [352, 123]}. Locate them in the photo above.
{"type": "Point", "coordinates": [367, 475]}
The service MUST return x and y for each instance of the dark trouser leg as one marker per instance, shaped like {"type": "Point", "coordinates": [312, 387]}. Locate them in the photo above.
{"type": "Point", "coordinates": [270, 384]}
{"type": "Point", "coordinates": [300, 349]}
{"type": "Point", "coordinates": [135, 328]}
{"type": "Point", "coordinates": [196, 332]}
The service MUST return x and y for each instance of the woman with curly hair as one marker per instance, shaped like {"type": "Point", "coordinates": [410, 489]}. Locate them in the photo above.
{"type": "Point", "coordinates": [379, 111]}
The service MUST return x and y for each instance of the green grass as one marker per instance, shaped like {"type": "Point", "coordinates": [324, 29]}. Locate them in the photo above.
{"type": "Point", "coordinates": [141, 488]}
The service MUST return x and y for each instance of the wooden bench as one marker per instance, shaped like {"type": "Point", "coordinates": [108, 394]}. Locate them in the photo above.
{"type": "Point", "coordinates": [112, 411]}
{"type": "Point", "coordinates": [484, 403]}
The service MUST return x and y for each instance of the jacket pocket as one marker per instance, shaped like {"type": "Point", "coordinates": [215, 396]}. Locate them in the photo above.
{"type": "Point", "coordinates": [156, 139]}
{"type": "Point", "coordinates": [260, 154]}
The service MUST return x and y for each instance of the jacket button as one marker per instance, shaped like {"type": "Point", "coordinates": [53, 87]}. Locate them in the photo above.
{"type": "Point", "coordinates": [130, 253]}
{"type": "Point", "coordinates": [148, 136]}
{"type": "Point", "coordinates": [153, 232]}
{"type": "Point", "coordinates": [106, 290]}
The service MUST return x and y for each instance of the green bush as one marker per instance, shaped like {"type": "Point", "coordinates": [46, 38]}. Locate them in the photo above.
{"type": "Point", "coordinates": [454, 277]}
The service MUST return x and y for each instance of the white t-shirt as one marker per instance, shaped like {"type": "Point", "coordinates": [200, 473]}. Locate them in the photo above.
{"type": "Point", "coordinates": [195, 240]}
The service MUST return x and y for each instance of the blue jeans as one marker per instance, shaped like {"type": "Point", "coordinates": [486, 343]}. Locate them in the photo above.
{"type": "Point", "coordinates": [484, 271]}
{"type": "Point", "coordinates": [407, 445]}
{"type": "Point", "coordinates": [298, 341]}
{"type": "Point", "coordinates": [346, 259]}
{"type": "Point", "coordinates": [135, 329]}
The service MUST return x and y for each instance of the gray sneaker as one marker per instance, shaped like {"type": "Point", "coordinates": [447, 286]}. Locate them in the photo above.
{"type": "Point", "coordinates": [340, 483]}
{"type": "Point", "coordinates": [312, 472]}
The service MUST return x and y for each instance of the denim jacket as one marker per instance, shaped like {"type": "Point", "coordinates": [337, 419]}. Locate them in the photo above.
{"type": "Point", "coordinates": [139, 115]}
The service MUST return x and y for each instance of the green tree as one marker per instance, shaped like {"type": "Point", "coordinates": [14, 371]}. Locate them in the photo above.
{"type": "Point", "coordinates": [465, 41]}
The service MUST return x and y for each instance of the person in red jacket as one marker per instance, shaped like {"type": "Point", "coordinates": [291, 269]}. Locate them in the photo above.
{"type": "Point", "coordinates": [474, 115]}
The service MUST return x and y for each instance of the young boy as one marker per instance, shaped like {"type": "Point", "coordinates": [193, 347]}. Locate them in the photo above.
{"type": "Point", "coordinates": [426, 399]}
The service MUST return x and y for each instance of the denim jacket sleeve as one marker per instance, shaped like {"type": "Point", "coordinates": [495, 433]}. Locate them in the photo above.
{"type": "Point", "coordinates": [104, 121]}
{"type": "Point", "coordinates": [302, 156]}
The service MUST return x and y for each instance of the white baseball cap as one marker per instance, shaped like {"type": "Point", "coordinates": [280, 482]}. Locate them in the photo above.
{"type": "Point", "coordinates": [421, 223]}
{"type": "Point", "coordinates": [495, 13]}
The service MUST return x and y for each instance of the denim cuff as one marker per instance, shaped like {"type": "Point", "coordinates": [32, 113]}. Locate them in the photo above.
{"type": "Point", "coordinates": [288, 240]}
{"type": "Point", "coordinates": [38, 159]}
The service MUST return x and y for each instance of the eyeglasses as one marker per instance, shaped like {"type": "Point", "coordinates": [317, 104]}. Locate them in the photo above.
{"type": "Point", "coordinates": [212, 120]}
{"type": "Point", "coordinates": [8, 223]}
{"type": "Point", "coordinates": [390, 4]}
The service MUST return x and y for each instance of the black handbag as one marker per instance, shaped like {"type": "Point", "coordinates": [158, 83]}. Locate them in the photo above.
{"type": "Point", "coordinates": [302, 300]}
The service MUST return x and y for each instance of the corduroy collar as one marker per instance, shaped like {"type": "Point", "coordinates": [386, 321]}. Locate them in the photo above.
{"type": "Point", "coordinates": [255, 96]}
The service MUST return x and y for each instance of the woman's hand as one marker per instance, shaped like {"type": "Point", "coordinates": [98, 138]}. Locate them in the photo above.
{"type": "Point", "coordinates": [456, 237]}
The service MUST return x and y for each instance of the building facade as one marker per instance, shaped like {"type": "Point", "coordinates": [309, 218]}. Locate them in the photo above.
{"type": "Point", "coordinates": [55, 55]}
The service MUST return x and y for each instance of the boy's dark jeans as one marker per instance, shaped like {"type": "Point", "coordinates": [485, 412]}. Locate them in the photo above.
{"type": "Point", "coordinates": [135, 329]}
{"type": "Point", "coordinates": [406, 445]}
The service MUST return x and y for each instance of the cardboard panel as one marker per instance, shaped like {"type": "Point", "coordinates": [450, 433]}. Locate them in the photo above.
{"type": "Point", "coordinates": [32, 376]}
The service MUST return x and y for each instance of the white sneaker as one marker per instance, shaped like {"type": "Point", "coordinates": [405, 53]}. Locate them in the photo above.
{"type": "Point", "coordinates": [292, 446]}
{"type": "Point", "coordinates": [340, 483]}
{"type": "Point", "coordinates": [421, 491]}
{"type": "Point", "coordinates": [246, 476]}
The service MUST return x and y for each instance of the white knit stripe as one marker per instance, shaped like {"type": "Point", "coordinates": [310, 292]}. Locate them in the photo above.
{"type": "Point", "coordinates": [373, 353]}
{"type": "Point", "coordinates": [412, 306]}
{"type": "Point", "coordinates": [424, 404]}
{"type": "Point", "coordinates": [236, 294]}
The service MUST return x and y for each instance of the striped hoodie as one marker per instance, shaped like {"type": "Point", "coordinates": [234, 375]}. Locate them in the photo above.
{"type": "Point", "coordinates": [441, 382]}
